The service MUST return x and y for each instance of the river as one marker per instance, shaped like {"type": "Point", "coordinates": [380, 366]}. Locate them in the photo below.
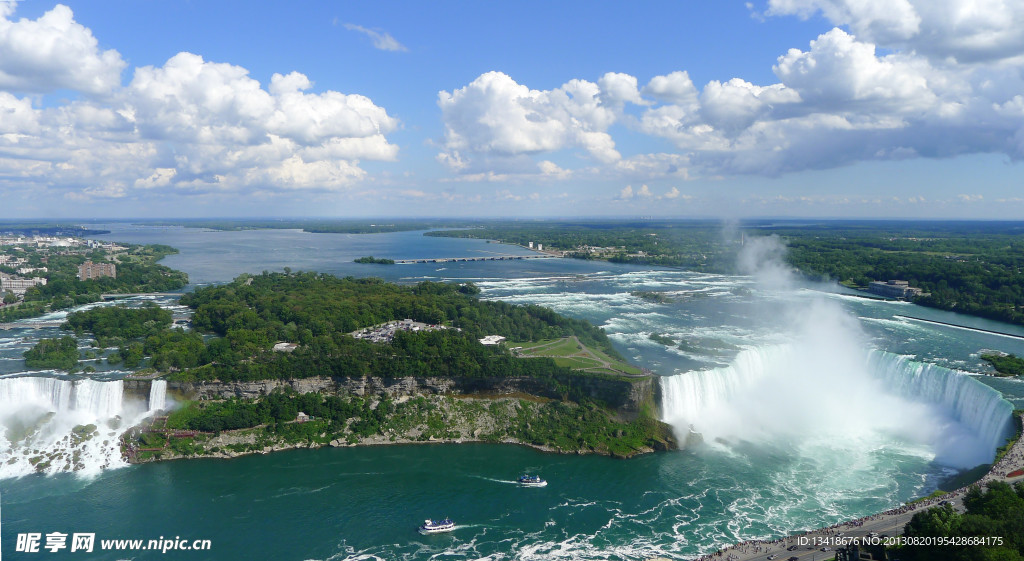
{"type": "Point", "coordinates": [814, 405]}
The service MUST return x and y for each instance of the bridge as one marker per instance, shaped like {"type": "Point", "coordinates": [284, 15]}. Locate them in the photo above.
{"type": "Point", "coordinates": [116, 295]}
{"type": "Point", "coordinates": [32, 324]}
{"type": "Point", "coordinates": [462, 259]}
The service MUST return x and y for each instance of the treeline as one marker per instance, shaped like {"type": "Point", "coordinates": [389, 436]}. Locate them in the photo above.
{"type": "Point", "coordinates": [995, 514]}
{"type": "Point", "coordinates": [319, 226]}
{"type": "Point", "coordinates": [48, 229]}
{"type": "Point", "coordinates": [975, 269]}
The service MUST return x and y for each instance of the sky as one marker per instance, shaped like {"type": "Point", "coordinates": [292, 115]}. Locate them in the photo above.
{"type": "Point", "coordinates": [689, 108]}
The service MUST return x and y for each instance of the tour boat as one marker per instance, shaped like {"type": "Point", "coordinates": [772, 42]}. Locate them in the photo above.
{"type": "Point", "coordinates": [432, 527]}
{"type": "Point", "coordinates": [532, 481]}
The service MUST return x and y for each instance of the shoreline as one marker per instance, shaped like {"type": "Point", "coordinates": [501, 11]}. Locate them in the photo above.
{"type": "Point", "coordinates": [281, 447]}
{"type": "Point", "coordinates": [889, 522]}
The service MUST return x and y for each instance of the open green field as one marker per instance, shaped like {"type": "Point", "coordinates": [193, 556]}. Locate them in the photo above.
{"type": "Point", "coordinates": [571, 353]}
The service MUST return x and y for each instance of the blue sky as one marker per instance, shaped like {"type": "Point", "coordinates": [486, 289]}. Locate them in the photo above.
{"type": "Point", "coordinates": [823, 108]}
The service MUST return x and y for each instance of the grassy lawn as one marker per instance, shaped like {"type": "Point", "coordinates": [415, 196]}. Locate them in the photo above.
{"type": "Point", "coordinates": [570, 353]}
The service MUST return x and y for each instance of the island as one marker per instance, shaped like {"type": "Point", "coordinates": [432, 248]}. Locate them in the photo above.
{"type": "Point", "coordinates": [286, 360]}
{"type": "Point", "coordinates": [373, 260]}
{"type": "Point", "coordinates": [1005, 364]}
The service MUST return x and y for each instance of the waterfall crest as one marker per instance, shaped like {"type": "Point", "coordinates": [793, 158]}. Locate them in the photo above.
{"type": "Point", "coordinates": [51, 425]}
{"type": "Point", "coordinates": [975, 405]}
{"type": "Point", "coordinates": [773, 390]}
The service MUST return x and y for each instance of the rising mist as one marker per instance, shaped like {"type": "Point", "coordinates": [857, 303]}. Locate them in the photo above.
{"type": "Point", "coordinates": [826, 384]}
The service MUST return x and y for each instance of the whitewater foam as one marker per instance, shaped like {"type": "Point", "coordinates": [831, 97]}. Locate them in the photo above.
{"type": "Point", "coordinates": [53, 425]}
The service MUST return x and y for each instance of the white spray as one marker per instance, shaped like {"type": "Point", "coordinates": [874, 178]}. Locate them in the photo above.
{"type": "Point", "coordinates": [826, 384]}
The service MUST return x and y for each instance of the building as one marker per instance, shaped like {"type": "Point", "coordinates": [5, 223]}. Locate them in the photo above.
{"type": "Point", "coordinates": [492, 340]}
{"type": "Point", "coordinates": [19, 286]}
{"type": "Point", "coordinates": [90, 270]}
{"type": "Point", "coordinates": [531, 245]}
{"type": "Point", "coordinates": [894, 289]}
{"type": "Point", "coordinates": [540, 247]}
{"type": "Point", "coordinates": [856, 552]}
{"type": "Point", "coordinates": [285, 347]}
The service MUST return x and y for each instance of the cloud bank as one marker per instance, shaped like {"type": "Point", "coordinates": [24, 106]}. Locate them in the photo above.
{"type": "Point", "coordinates": [190, 126]}
{"type": "Point", "coordinates": [894, 79]}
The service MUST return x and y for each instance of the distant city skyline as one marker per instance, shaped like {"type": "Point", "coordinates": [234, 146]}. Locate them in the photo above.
{"type": "Point", "coordinates": [774, 108]}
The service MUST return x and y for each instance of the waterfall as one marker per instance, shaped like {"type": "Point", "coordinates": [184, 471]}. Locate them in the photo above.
{"type": "Point", "coordinates": [51, 425]}
{"type": "Point", "coordinates": [98, 399]}
{"type": "Point", "coordinates": [975, 405]}
{"type": "Point", "coordinates": [157, 395]}
{"type": "Point", "coordinates": [795, 391]}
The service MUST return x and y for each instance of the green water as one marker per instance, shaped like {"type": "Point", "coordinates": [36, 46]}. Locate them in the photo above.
{"type": "Point", "coordinates": [366, 503]}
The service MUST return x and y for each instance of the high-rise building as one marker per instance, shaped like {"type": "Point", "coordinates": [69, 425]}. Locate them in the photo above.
{"type": "Point", "coordinates": [90, 270]}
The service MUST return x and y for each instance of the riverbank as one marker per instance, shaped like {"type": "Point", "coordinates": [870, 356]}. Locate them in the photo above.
{"type": "Point", "coordinates": [537, 422]}
{"type": "Point", "coordinates": [890, 523]}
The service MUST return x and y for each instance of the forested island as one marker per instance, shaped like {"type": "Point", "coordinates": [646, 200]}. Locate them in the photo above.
{"type": "Point", "coordinates": [375, 261]}
{"type": "Point", "coordinates": [469, 390]}
{"type": "Point", "coordinates": [1005, 364]}
{"type": "Point", "coordinates": [58, 353]}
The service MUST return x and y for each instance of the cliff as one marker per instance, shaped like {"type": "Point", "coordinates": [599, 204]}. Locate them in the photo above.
{"type": "Point", "coordinates": [627, 395]}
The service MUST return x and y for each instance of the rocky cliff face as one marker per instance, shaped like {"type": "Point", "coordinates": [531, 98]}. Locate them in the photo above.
{"type": "Point", "coordinates": [627, 395]}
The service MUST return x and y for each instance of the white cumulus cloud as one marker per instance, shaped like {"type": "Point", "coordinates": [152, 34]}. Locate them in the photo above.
{"type": "Point", "coordinates": [966, 30]}
{"type": "Point", "coordinates": [189, 125]}
{"type": "Point", "coordinates": [895, 79]}
{"type": "Point", "coordinates": [53, 52]}
{"type": "Point", "coordinates": [496, 118]}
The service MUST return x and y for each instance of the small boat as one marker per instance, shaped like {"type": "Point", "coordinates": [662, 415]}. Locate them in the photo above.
{"type": "Point", "coordinates": [531, 481]}
{"type": "Point", "coordinates": [436, 526]}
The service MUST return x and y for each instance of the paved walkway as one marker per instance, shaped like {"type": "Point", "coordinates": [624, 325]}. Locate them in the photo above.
{"type": "Point", "coordinates": [890, 522]}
